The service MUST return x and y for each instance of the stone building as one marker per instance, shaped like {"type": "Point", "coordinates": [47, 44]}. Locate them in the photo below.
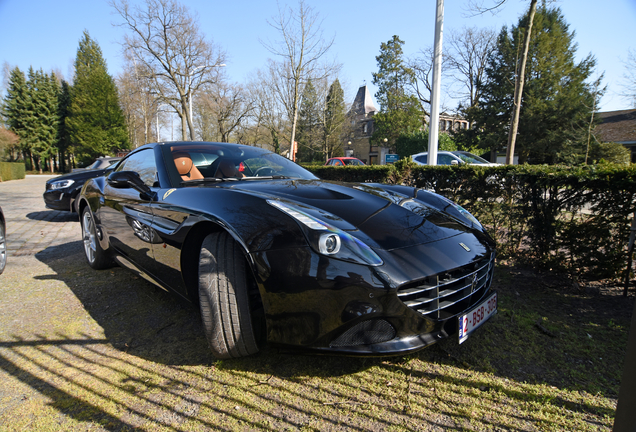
{"type": "Point", "coordinates": [361, 118]}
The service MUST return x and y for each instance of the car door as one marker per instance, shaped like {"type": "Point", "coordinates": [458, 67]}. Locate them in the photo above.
{"type": "Point", "coordinates": [127, 216]}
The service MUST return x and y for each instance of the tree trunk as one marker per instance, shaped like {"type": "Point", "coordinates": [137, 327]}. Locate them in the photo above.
{"type": "Point", "coordinates": [521, 73]}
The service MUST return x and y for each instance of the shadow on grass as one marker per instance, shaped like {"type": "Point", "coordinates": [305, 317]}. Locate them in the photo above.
{"type": "Point", "coordinates": [153, 369]}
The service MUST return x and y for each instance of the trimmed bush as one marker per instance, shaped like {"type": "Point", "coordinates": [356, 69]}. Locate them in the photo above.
{"type": "Point", "coordinates": [12, 171]}
{"type": "Point", "coordinates": [571, 219]}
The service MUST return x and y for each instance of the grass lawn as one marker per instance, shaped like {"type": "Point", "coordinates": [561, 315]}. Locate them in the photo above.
{"type": "Point", "coordinates": [104, 351]}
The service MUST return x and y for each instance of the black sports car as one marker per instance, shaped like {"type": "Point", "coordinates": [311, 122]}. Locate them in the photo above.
{"type": "Point", "coordinates": [62, 191]}
{"type": "Point", "coordinates": [3, 242]}
{"type": "Point", "coordinates": [272, 253]}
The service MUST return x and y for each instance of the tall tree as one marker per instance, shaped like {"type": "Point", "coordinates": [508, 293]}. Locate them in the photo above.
{"type": "Point", "coordinates": [141, 103]}
{"type": "Point", "coordinates": [223, 108]}
{"type": "Point", "coordinates": [166, 40]}
{"type": "Point", "coordinates": [96, 123]}
{"type": "Point", "coordinates": [629, 84]}
{"type": "Point", "coordinates": [43, 119]}
{"type": "Point", "coordinates": [16, 104]}
{"type": "Point", "coordinates": [466, 61]}
{"type": "Point", "coordinates": [519, 84]}
{"type": "Point", "coordinates": [467, 58]}
{"type": "Point", "coordinates": [335, 120]}
{"type": "Point", "coordinates": [309, 132]}
{"type": "Point", "coordinates": [63, 134]}
{"type": "Point", "coordinates": [400, 111]}
{"type": "Point", "coordinates": [301, 48]}
{"type": "Point", "coordinates": [557, 99]}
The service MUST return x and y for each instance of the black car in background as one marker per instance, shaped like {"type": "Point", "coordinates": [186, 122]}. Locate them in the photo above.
{"type": "Point", "coordinates": [3, 242]}
{"type": "Point", "coordinates": [272, 253]}
{"type": "Point", "coordinates": [100, 163]}
{"type": "Point", "coordinates": [61, 192]}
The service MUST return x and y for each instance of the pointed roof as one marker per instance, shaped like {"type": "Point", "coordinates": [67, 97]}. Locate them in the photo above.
{"type": "Point", "coordinates": [363, 104]}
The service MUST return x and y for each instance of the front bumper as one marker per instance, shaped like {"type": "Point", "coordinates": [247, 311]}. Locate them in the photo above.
{"type": "Point", "coordinates": [410, 302]}
{"type": "Point", "coordinates": [58, 199]}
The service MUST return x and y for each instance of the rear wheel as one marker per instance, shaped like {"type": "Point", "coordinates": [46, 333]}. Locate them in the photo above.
{"type": "Point", "coordinates": [224, 298]}
{"type": "Point", "coordinates": [93, 251]}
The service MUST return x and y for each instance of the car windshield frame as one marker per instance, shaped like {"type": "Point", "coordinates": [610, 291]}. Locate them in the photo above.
{"type": "Point", "coordinates": [247, 160]}
{"type": "Point", "coordinates": [470, 158]}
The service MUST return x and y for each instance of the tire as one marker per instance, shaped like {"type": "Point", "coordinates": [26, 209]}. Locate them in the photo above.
{"type": "Point", "coordinates": [3, 246]}
{"type": "Point", "coordinates": [95, 255]}
{"type": "Point", "coordinates": [224, 298]}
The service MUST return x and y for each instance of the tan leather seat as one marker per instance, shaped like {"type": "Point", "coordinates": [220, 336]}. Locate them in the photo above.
{"type": "Point", "coordinates": [227, 169]}
{"type": "Point", "coordinates": [186, 168]}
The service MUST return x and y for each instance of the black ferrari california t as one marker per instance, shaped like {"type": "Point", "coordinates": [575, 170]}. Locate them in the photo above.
{"type": "Point", "coordinates": [273, 254]}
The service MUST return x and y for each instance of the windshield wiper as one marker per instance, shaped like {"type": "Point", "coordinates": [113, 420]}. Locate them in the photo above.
{"type": "Point", "coordinates": [270, 177]}
{"type": "Point", "coordinates": [206, 180]}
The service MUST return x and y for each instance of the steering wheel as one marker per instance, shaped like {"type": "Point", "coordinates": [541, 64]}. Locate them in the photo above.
{"type": "Point", "coordinates": [264, 171]}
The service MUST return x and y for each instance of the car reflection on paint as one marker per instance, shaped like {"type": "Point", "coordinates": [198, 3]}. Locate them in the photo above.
{"type": "Point", "coordinates": [61, 192]}
{"type": "Point", "coordinates": [272, 254]}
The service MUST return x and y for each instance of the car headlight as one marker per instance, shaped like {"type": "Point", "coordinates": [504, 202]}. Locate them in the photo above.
{"type": "Point", "coordinates": [329, 240]}
{"type": "Point", "coordinates": [61, 184]}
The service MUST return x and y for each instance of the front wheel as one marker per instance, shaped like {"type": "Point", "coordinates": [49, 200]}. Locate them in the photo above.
{"type": "Point", "coordinates": [224, 298]}
{"type": "Point", "coordinates": [93, 251]}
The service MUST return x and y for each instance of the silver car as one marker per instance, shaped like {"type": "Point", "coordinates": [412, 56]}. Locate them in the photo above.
{"type": "Point", "coordinates": [453, 158]}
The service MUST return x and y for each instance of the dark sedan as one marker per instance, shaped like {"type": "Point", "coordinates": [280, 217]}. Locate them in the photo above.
{"type": "Point", "coordinates": [62, 191]}
{"type": "Point", "coordinates": [273, 254]}
{"type": "Point", "coordinates": [3, 242]}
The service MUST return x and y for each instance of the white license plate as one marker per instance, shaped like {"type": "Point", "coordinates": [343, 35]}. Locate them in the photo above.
{"type": "Point", "coordinates": [477, 316]}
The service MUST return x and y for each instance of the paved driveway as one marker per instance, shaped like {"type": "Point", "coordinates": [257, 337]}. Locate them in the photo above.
{"type": "Point", "coordinates": [31, 227]}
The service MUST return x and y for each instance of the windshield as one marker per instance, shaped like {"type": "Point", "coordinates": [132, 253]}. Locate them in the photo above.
{"type": "Point", "coordinates": [470, 158]}
{"type": "Point", "coordinates": [216, 162]}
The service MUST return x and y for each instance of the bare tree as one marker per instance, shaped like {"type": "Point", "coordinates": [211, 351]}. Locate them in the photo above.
{"type": "Point", "coordinates": [519, 82]}
{"type": "Point", "coordinates": [228, 107]}
{"type": "Point", "coordinates": [166, 40]}
{"type": "Point", "coordinates": [140, 101]}
{"type": "Point", "coordinates": [478, 7]}
{"type": "Point", "coordinates": [270, 91]}
{"type": "Point", "coordinates": [301, 47]}
{"type": "Point", "coordinates": [629, 85]}
{"type": "Point", "coordinates": [422, 66]}
{"type": "Point", "coordinates": [467, 59]}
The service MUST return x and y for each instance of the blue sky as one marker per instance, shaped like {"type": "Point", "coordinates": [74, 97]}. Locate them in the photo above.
{"type": "Point", "coordinates": [45, 33]}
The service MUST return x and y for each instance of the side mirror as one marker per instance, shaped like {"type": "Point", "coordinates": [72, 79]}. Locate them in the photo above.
{"type": "Point", "coordinates": [124, 179]}
{"type": "Point", "coordinates": [130, 179]}
{"type": "Point", "coordinates": [454, 162]}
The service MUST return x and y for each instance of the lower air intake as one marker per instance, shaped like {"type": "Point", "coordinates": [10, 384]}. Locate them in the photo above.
{"type": "Point", "coordinates": [365, 333]}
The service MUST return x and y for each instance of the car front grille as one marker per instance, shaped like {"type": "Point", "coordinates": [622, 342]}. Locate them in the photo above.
{"type": "Point", "coordinates": [448, 294]}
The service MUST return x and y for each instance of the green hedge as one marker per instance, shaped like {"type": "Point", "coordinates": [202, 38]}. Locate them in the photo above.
{"type": "Point", "coordinates": [573, 219]}
{"type": "Point", "coordinates": [12, 171]}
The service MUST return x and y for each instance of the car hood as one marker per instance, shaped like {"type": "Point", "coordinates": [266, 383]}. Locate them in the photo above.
{"type": "Point", "coordinates": [78, 175]}
{"type": "Point", "coordinates": [372, 212]}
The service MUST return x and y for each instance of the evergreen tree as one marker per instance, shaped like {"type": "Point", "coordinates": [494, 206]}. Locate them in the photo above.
{"type": "Point", "coordinates": [43, 117]}
{"type": "Point", "coordinates": [15, 106]}
{"type": "Point", "coordinates": [308, 135]}
{"type": "Point", "coordinates": [96, 123]}
{"type": "Point", "coordinates": [63, 134]}
{"type": "Point", "coordinates": [557, 102]}
{"type": "Point", "coordinates": [335, 120]}
{"type": "Point", "coordinates": [400, 112]}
